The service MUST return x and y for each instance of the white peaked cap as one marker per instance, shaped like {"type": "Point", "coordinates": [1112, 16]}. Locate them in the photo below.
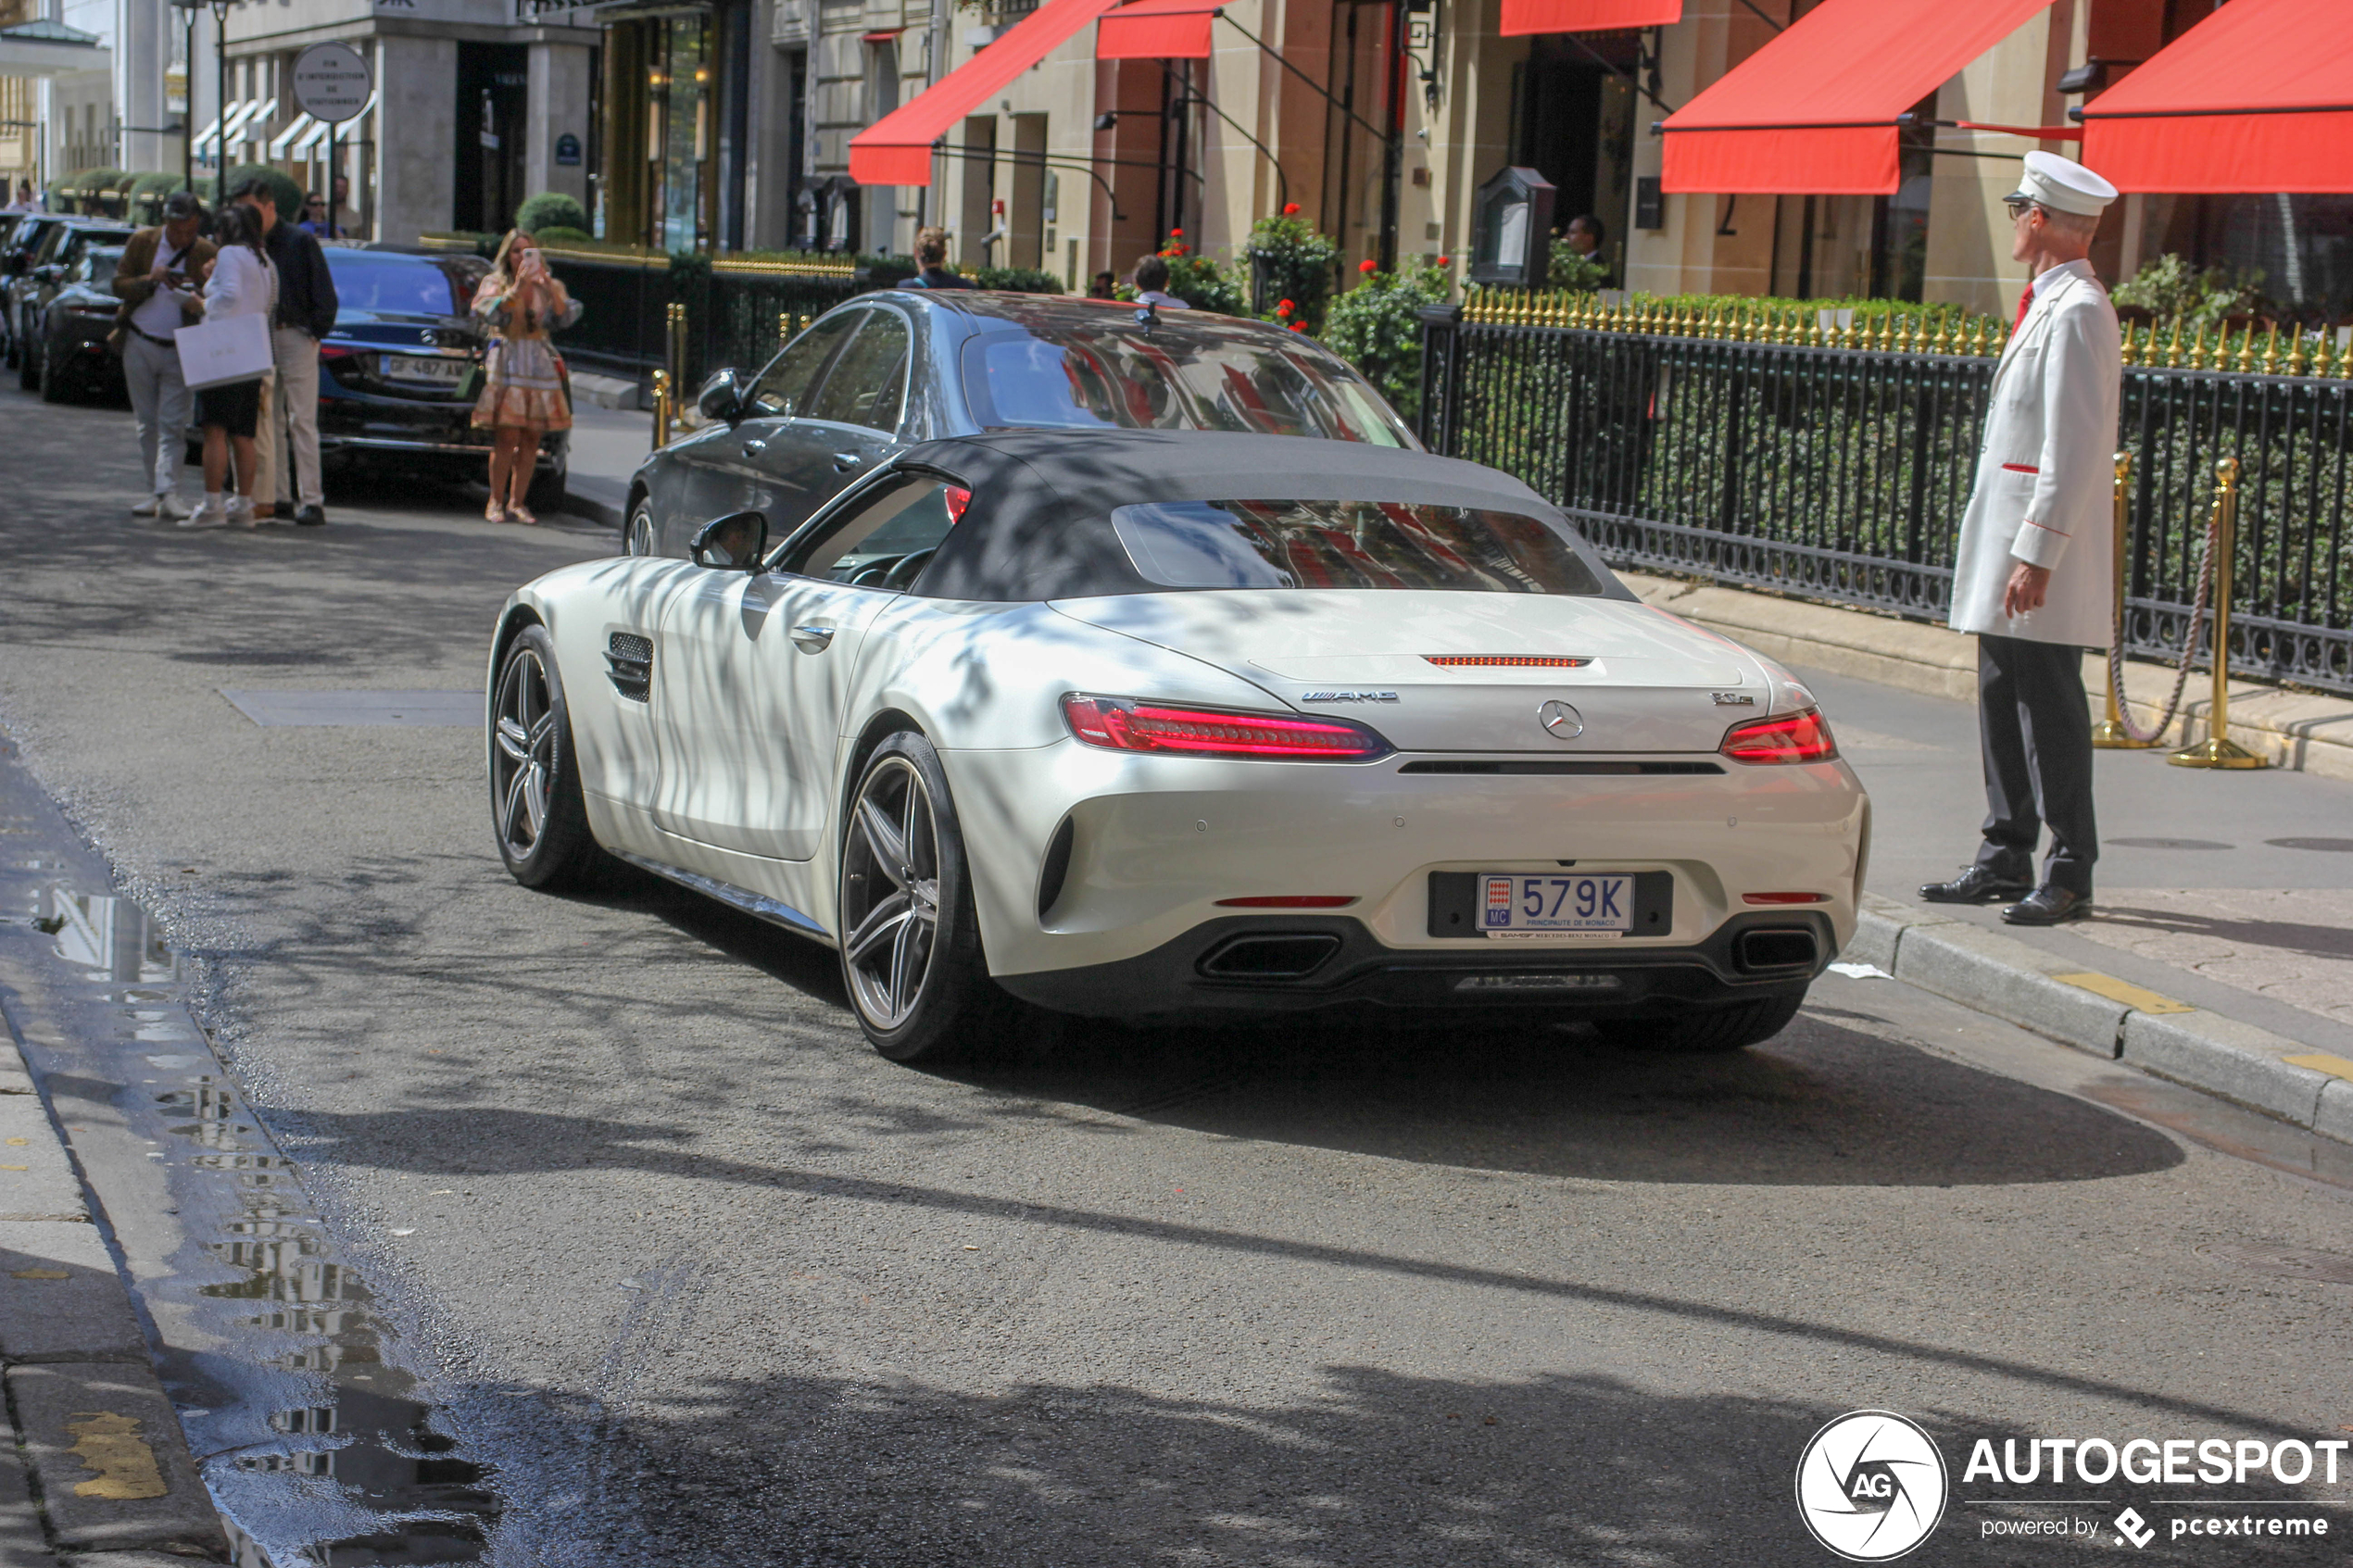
{"type": "Point", "coordinates": [2063, 185]}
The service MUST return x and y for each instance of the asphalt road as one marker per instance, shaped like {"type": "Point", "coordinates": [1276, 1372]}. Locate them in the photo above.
{"type": "Point", "coordinates": [705, 1282]}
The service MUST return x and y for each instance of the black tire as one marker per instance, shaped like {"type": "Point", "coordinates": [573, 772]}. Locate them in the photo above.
{"type": "Point", "coordinates": [1732, 1028]}
{"type": "Point", "coordinates": [638, 537]}
{"type": "Point", "coordinates": [536, 812]}
{"type": "Point", "coordinates": [53, 385]}
{"type": "Point", "coordinates": [28, 367]}
{"type": "Point", "coordinates": [547, 492]}
{"type": "Point", "coordinates": [953, 1009]}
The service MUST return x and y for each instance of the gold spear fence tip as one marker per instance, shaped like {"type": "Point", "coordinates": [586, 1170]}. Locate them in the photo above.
{"type": "Point", "coordinates": [2271, 350]}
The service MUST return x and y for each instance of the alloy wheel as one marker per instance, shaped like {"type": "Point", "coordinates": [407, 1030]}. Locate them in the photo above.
{"type": "Point", "coordinates": [640, 538]}
{"type": "Point", "coordinates": [524, 758]}
{"type": "Point", "coordinates": [890, 893]}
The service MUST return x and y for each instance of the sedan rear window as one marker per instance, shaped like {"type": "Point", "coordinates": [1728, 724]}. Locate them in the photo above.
{"type": "Point", "coordinates": [1348, 545]}
{"type": "Point", "coordinates": [402, 285]}
{"type": "Point", "coordinates": [1175, 377]}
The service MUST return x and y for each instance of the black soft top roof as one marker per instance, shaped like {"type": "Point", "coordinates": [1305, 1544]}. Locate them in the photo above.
{"type": "Point", "coordinates": [1039, 527]}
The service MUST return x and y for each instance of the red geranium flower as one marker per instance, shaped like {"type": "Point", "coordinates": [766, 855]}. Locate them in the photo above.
{"type": "Point", "coordinates": [1299, 326]}
{"type": "Point", "coordinates": [1446, 261]}
{"type": "Point", "coordinates": [1367, 265]}
{"type": "Point", "coordinates": [1290, 209]}
{"type": "Point", "coordinates": [1176, 233]}
{"type": "Point", "coordinates": [1285, 309]}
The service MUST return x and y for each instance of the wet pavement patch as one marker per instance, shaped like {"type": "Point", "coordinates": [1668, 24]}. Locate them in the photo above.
{"type": "Point", "coordinates": [410, 709]}
{"type": "Point", "coordinates": [320, 1446]}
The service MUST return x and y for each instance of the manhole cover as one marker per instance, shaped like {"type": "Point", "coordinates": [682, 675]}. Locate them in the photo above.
{"type": "Point", "coordinates": [2326, 845]}
{"type": "Point", "coordinates": [2171, 844]}
{"type": "Point", "coordinates": [2289, 1262]}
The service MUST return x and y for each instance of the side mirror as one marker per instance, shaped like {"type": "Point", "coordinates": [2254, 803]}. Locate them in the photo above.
{"type": "Point", "coordinates": [734, 543]}
{"type": "Point", "coordinates": [722, 397]}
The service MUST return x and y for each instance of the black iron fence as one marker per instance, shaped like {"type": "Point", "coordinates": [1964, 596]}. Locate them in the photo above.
{"type": "Point", "coordinates": [738, 312]}
{"type": "Point", "coordinates": [1760, 449]}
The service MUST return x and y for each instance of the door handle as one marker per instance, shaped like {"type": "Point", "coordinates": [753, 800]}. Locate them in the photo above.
{"type": "Point", "coordinates": [812, 639]}
{"type": "Point", "coordinates": [846, 461]}
{"type": "Point", "coordinates": [753, 446]}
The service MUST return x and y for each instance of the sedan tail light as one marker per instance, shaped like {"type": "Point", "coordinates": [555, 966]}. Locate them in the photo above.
{"type": "Point", "coordinates": [1126, 723]}
{"type": "Point", "coordinates": [1792, 737]}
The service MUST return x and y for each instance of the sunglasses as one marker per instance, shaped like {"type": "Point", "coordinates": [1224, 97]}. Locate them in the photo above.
{"type": "Point", "coordinates": [2019, 206]}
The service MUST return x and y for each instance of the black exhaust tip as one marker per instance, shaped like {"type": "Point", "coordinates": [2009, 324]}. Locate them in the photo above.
{"type": "Point", "coordinates": [1274, 955]}
{"type": "Point", "coordinates": [1774, 949]}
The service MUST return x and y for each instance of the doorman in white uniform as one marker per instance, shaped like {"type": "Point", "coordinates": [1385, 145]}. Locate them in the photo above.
{"type": "Point", "coordinates": [2033, 575]}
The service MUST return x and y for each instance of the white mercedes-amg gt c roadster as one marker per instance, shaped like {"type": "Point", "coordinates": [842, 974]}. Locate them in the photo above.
{"type": "Point", "coordinates": [1145, 724]}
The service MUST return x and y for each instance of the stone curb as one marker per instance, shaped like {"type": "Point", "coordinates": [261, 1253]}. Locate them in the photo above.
{"type": "Point", "coordinates": [110, 1467]}
{"type": "Point", "coordinates": [589, 509]}
{"type": "Point", "coordinates": [2012, 981]}
{"type": "Point", "coordinates": [2293, 729]}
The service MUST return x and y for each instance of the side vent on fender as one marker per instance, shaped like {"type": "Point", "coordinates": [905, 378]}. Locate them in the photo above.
{"type": "Point", "coordinates": [629, 663]}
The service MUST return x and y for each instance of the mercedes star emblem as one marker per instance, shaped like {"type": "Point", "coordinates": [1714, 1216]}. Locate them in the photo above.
{"type": "Point", "coordinates": [1561, 721]}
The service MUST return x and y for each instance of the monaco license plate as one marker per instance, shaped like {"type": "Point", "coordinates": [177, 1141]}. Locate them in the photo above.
{"type": "Point", "coordinates": [1554, 904]}
{"type": "Point", "coordinates": [436, 373]}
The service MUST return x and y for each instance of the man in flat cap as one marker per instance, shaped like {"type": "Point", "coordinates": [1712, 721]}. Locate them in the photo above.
{"type": "Point", "coordinates": [2033, 575]}
{"type": "Point", "coordinates": [157, 279]}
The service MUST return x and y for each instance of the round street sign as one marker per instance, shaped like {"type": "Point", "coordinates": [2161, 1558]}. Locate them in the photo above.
{"type": "Point", "coordinates": [330, 82]}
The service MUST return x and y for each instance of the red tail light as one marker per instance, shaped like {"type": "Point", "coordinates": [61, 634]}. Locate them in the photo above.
{"type": "Point", "coordinates": [1785, 898]}
{"type": "Point", "coordinates": [958, 499]}
{"type": "Point", "coordinates": [1126, 723]}
{"type": "Point", "coordinates": [1793, 737]}
{"type": "Point", "coordinates": [336, 351]}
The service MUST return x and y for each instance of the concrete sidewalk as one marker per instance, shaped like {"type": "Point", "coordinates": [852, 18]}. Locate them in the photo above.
{"type": "Point", "coordinates": [607, 446]}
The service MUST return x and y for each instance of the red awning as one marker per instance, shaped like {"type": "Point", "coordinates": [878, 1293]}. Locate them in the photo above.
{"type": "Point", "coordinates": [1814, 111]}
{"type": "Point", "coordinates": [2257, 97]}
{"type": "Point", "coordinates": [1156, 29]}
{"type": "Point", "coordinates": [1587, 15]}
{"type": "Point", "coordinates": [896, 149]}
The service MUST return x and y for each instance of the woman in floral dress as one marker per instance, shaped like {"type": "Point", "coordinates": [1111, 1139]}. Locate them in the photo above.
{"type": "Point", "coordinates": [522, 393]}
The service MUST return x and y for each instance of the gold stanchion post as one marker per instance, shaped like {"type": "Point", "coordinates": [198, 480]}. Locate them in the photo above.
{"type": "Point", "coordinates": [2218, 750]}
{"type": "Point", "coordinates": [661, 408]}
{"type": "Point", "coordinates": [2111, 733]}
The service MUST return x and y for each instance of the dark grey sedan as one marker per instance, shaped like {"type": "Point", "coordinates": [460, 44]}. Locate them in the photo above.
{"type": "Point", "coordinates": [894, 367]}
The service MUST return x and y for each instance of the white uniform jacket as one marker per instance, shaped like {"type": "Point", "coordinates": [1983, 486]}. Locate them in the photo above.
{"type": "Point", "coordinates": [2047, 477]}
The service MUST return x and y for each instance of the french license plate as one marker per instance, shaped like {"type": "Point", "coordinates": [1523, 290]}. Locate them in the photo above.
{"type": "Point", "coordinates": [1555, 904]}
{"type": "Point", "coordinates": [438, 372]}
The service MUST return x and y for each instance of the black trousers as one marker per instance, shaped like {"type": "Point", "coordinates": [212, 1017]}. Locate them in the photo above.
{"type": "Point", "coordinates": [2035, 729]}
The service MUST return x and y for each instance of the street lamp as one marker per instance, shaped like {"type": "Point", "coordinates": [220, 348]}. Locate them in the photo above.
{"type": "Point", "coordinates": [220, 9]}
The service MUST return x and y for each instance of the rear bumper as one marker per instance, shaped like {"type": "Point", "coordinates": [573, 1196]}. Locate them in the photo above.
{"type": "Point", "coordinates": [1338, 962]}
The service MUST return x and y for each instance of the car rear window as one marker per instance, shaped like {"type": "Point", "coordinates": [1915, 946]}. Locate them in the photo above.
{"type": "Point", "coordinates": [404, 285]}
{"type": "Point", "coordinates": [1175, 376]}
{"type": "Point", "coordinates": [1281, 544]}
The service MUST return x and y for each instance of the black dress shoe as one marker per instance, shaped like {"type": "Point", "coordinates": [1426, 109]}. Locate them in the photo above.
{"type": "Point", "coordinates": [2048, 906]}
{"type": "Point", "coordinates": [1977, 884]}
{"type": "Point", "coordinates": [310, 516]}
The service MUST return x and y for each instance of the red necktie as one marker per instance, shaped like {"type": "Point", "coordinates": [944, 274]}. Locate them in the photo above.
{"type": "Point", "coordinates": [2025, 303]}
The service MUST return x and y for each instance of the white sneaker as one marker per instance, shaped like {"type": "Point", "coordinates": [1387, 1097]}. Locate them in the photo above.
{"type": "Point", "coordinates": [239, 512]}
{"type": "Point", "coordinates": [172, 507]}
{"type": "Point", "coordinates": [147, 507]}
{"type": "Point", "coordinates": [209, 515]}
